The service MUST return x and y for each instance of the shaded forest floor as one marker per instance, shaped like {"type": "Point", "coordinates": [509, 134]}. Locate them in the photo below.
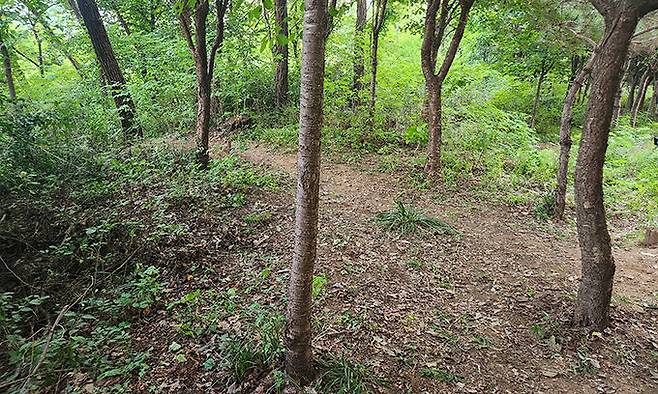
{"type": "Point", "coordinates": [483, 311]}
{"type": "Point", "coordinates": [486, 309]}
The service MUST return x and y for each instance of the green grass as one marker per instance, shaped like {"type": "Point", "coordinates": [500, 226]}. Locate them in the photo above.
{"type": "Point", "coordinates": [340, 375]}
{"type": "Point", "coordinates": [406, 219]}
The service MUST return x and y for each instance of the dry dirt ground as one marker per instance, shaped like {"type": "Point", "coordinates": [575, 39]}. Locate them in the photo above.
{"type": "Point", "coordinates": [486, 311]}
{"type": "Point", "coordinates": [467, 305]}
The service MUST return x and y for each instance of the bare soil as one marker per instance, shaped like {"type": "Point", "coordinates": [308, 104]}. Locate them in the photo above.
{"type": "Point", "coordinates": [468, 304]}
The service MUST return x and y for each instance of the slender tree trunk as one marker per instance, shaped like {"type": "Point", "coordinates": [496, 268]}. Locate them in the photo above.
{"type": "Point", "coordinates": [631, 92]}
{"type": "Point", "coordinates": [9, 76]}
{"type": "Point", "coordinates": [434, 115]}
{"type": "Point", "coordinates": [640, 98]}
{"type": "Point", "coordinates": [299, 354]}
{"type": "Point", "coordinates": [359, 67]}
{"type": "Point", "coordinates": [39, 42]}
{"type": "Point", "coordinates": [565, 139]}
{"type": "Point", "coordinates": [433, 34]}
{"type": "Point", "coordinates": [654, 97]}
{"type": "Point", "coordinates": [598, 267]}
{"type": "Point", "coordinates": [281, 53]}
{"type": "Point", "coordinates": [373, 74]}
{"type": "Point", "coordinates": [535, 103]}
{"type": "Point", "coordinates": [109, 67]}
{"type": "Point", "coordinates": [616, 108]}
{"type": "Point", "coordinates": [203, 121]}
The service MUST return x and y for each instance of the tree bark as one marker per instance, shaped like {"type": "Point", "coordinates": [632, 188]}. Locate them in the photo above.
{"type": "Point", "coordinates": [109, 67]}
{"type": "Point", "coordinates": [565, 138]}
{"type": "Point", "coordinates": [299, 354]}
{"type": "Point", "coordinates": [598, 267]}
{"type": "Point", "coordinates": [204, 63]}
{"type": "Point", "coordinates": [281, 53]}
{"type": "Point", "coordinates": [640, 98]}
{"type": "Point", "coordinates": [379, 13]}
{"type": "Point", "coordinates": [616, 108]}
{"type": "Point", "coordinates": [359, 66]}
{"type": "Point", "coordinates": [654, 97]}
{"type": "Point", "coordinates": [433, 35]}
{"type": "Point", "coordinates": [39, 42]}
{"type": "Point", "coordinates": [9, 76]}
{"type": "Point", "coordinates": [535, 103]}
{"type": "Point", "coordinates": [631, 92]}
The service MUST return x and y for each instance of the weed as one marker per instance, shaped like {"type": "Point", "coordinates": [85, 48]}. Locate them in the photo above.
{"type": "Point", "coordinates": [319, 281]}
{"type": "Point", "coordinates": [407, 220]}
{"type": "Point", "coordinates": [442, 375]}
{"type": "Point", "coordinates": [544, 209]}
{"type": "Point", "coordinates": [343, 376]}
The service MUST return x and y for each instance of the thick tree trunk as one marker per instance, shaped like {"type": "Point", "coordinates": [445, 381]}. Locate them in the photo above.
{"type": "Point", "coordinates": [109, 67]}
{"type": "Point", "coordinates": [9, 76]}
{"type": "Point", "coordinates": [565, 139]}
{"type": "Point", "coordinates": [598, 268]}
{"type": "Point", "coordinates": [535, 102]}
{"type": "Point", "coordinates": [359, 66]}
{"type": "Point", "coordinates": [640, 98]}
{"type": "Point", "coordinates": [281, 53]}
{"type": "Point", "coordinates": [299, 354]}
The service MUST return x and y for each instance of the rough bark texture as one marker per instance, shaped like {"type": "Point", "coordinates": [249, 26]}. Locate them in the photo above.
{"type": "Point", "coordinates": [299, 355]}
{"type": "Point", "coordinates": [598, 268]}
{"type": "Point", "coordinates": [379, 12]}
{"type": "Point", "coordinates": [109, 66]}
{"type": "Point", "coordinates": [359, 66]}
{"type": "Point", "coordinates": [9, 77]}
{"type": "Point", "coordinates": [204, 63]}
{"type": "Point", "coordinates": [281, 53]}
{"type": "Point", "coordinates": [565, 138]}
{"type": "Point", "coordinates": [437, 18]}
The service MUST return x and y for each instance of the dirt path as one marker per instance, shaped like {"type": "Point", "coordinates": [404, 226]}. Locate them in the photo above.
{"type": "Point", "coordinates": [467, 305]}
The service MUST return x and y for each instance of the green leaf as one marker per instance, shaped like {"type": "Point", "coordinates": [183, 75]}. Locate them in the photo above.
{"type": "Point", "coordinates": [268, 4]}
{"type": "Point", "coordinates": [281, 39]}
{"type": "Point", "coordinates": [175, 346]}
{"type": "Point", "coordinates": [180, 358]}
{"type": "Point", "coordinates": [254, 13]}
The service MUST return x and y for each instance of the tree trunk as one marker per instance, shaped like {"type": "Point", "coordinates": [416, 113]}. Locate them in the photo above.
{"type": "Point", "coordinates": [39, 41]}
{"type": "Point", "coordinates": [359, 67]}
{"type": "Point", "coordinates": [654, 97]}
{"type": "Point", "coordinates": [373, 74]}
{"type": "Point", "coordinates": [598, 268]}
{"type": "Point", "coordinates": [616, 108]}
{"type": "Point", "coordinates": [299, 354]}
{"type": "Point", "coordinates": [433, 34]}
{"type": "Point", "coordinates": [281, 53]}
{"type": "Point", "coordinates": [535, 103]}
{"type": "Point", "coordinates": [640, 98]}
{"type": "Point", "coordinates": [631, 92]}
{"type": "Point", "coordinates": [434, 129]}
{"type": "Point", "coordinates": [8, 70]}
{"type": "Point", "coordinates": [203, 121]}
{"type": "Point", "coordinates": [565, 139]}
{"type": "Point", "coordinates": [109, 67]}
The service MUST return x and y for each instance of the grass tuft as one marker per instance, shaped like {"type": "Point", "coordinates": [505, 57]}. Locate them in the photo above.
{"type": "Point", "coordinates": [406, 220]}
{"type": "Point", "coordinates": [343, 376]}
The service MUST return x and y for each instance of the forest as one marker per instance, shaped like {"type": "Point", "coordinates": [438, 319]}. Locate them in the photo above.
{"type": "Point", "coordinates": [329, 196]}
